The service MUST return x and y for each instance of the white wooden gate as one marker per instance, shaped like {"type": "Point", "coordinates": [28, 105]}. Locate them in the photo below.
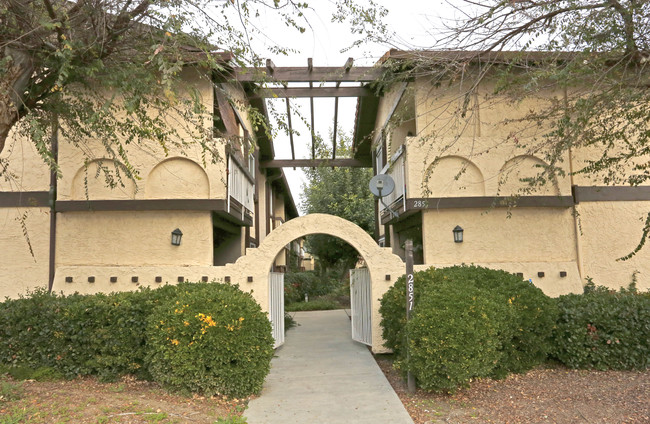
{"type": "Point", "coordinates": [361, 302]}
{"type": "Point", "coordinates": [276, 306]}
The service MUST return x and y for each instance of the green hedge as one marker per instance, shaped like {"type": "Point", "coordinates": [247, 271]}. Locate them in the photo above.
{"type": "Point", "coordinates": [455, 310]}
{"type": "Point", "coordinates": [210, 339]}
{"type": "Point", "coordinates": [603, 329]}
{"type": "Point", "coordinates": [111, 335]}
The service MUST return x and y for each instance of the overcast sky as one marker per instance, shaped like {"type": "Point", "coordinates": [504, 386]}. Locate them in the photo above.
{"type": "Point", "coordinates": [415, 22]}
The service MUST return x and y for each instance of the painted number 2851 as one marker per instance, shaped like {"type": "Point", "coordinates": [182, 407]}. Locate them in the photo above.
{"type": "Point", "coordinates": [410, 291]}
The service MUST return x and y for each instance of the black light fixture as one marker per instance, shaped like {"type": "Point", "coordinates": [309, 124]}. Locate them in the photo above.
{"type": "Point", "coordinates": [176, 237]}
{"type": "Point", "coordinates": [458, 234]}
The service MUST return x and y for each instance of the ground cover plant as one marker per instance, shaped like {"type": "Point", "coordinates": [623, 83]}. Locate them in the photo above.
{"type": "Point", "coordinates": [468, 322]}
{"type": "Point", "coordinates": [46, 335]}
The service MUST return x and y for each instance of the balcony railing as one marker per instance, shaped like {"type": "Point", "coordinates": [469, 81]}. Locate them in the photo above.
{"type": "Point", "coordinates": [240, 185]}
{"type": "Point", "coordinates": [396, 168]}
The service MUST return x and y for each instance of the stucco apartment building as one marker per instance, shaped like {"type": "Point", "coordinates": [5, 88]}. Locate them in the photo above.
{"type": "Point", "coordinates": [457, 165]}
{"type": "Point", "coordinates": [81, 224]}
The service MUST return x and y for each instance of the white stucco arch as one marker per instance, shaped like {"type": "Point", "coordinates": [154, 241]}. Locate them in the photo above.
{"type": "Point", "coordinates": [384, 266]}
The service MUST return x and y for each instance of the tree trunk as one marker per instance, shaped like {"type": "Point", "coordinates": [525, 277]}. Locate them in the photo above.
{"type": "Point", "coordinates": [13, 85]}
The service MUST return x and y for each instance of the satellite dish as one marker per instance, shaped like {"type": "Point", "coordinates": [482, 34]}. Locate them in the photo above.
{"type": "Point", "coordinates": [382, 185]}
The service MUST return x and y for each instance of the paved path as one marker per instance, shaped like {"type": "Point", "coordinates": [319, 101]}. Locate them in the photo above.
{"type": "Point", "coordinates": [321, 375]}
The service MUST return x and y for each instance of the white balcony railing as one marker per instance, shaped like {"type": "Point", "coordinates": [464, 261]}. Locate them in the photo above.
{"type": "Point", "coordinates": [240, 186]}
{"type": "Point", "coordinates": [396, 168]}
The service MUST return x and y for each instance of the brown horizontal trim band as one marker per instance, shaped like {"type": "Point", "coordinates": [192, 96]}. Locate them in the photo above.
{"type": "Point", "coordinates": [13, 199]}
{"type": "Point", "coordinates": [489, 201]}
{"type": "Point", "coordinates": [271, 93]}
{"type": "Point", "coordinates": [476, 202]}
{"type": "Point", "coordinates": [141, 205]}
{"type": "Point", "coordinates": [304, 74]}
{"type": "Point", "coordinates": [308, 163]}
{"type": "Point", "coordinates": [610, 194]}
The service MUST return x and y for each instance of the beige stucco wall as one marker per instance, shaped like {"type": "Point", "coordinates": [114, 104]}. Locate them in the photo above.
{"type": "Point", "coordinates": [499, 235]}
{"type": "Point", "coordinates": [180, 170]}
{"type": "Point", "coordinates": [133, 238]}
{"type": "Point", "coordinates": [526, 240]}
{"type": "Point", "coordinates": [26, 170]}
{"type": "Point", "coordinates": [486, 152]}
{"type": "Point", "coordinates": [475, 153]}
{"type": "Point", "coordinates": [19, 270]}
{"type": "Point", "coordinates": [611, 230]}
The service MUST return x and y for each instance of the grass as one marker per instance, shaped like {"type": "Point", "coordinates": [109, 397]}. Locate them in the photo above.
{"type": "Point", "coordinates": [10, 391]}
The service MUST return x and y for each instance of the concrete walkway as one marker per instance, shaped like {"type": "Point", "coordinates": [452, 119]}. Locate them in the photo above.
{"type": "Point", "coordinates": [321, 375]}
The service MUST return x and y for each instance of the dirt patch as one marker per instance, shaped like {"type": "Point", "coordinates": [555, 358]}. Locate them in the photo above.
{"type": "Point", "coordinates": [550, 394]}
{"type": "Point", "coordinates": [86, 401]}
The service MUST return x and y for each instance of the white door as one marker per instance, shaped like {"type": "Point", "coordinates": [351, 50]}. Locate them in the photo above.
{"type": "Point", "coordinates": [361, 302]}
{"type": "Point", "coordinates": [276, 306]}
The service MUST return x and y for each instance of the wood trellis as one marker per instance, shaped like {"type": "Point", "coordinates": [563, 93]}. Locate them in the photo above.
{"type": "Point", "coordinates": [281, 80]}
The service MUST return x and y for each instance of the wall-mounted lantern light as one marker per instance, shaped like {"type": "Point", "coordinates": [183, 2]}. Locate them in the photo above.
{"type": "Point", "coordinates": [176, 237]}
{"type": "Point", "coordinates": [458, 234]}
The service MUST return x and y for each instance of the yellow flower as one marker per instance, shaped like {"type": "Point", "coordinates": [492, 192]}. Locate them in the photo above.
{"type": "Point", "coordinates": [241, 319]}
{"type": "Point", "coordinates": [186, 323]}
{"type": "Point", "coordinates": [175, 342]}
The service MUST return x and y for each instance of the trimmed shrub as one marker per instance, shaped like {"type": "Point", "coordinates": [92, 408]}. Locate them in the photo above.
{"type": "Point", "coordinates": [211, 339]}
{"type": "Point", "coordinates": [455, 336]}
{"type": "Point", "coordinates": [603, 329]}
{"type": "Point", "coordinates": [75, 335]}
{"type": "Point", "coordinates": [30, 330]}
{"type": "Point", "coordinates": [532, 320]}
{"type": "Point", "coordinates": [520, 342]}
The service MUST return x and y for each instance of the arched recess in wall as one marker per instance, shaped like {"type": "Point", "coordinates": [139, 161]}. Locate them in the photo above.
{"type": "Point", "coordinates": [515, 171]}
{"type": "Point", "coordinates": [102, 179]}
{"type": "Point", "coordinates": [453, 176]}
{"type": "Point", "coordinates": [177, 178]}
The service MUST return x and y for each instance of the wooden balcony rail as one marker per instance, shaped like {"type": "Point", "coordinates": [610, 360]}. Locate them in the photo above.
{"type": "Point", "coordinates": [240, 187]}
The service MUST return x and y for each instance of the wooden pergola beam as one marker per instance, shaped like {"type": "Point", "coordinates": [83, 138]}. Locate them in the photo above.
{"type": "Point", "coordinates": [281, 92]}
{"type": "Point", "coordinates": [306, 74]}
{"type": "Point", "coordinates": [308, 163]}
{"type": "Point", "coordinates": [310, 67]}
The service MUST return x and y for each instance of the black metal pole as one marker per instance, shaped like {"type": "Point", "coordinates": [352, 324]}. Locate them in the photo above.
{"type": "Point", "coordinates": [53, 187]}
{"type": "Point", "coordinates": [410, 297]}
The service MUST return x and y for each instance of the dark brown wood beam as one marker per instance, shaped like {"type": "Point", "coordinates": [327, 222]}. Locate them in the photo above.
{"type": "Point", "coordinates": [293, 152]}
{"type": "Point", "coordinates": [305, 74]}
{"type": "Point", "coordinates": [280, 92]}
{"type": "Point", "coordinates": [336, 122]}
{"type": "Point", "coordinates": [611, 193]}
{"type": "Point", "coordinates": [308, 163]}
{"type": "Point", "coordinates": [22, 199]}
{"type": "Point", "coordinates": [310, 66]}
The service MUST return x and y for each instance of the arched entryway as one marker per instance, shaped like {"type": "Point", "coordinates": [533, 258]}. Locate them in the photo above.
{"type": "Point", "coordinates": [384, 267]}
